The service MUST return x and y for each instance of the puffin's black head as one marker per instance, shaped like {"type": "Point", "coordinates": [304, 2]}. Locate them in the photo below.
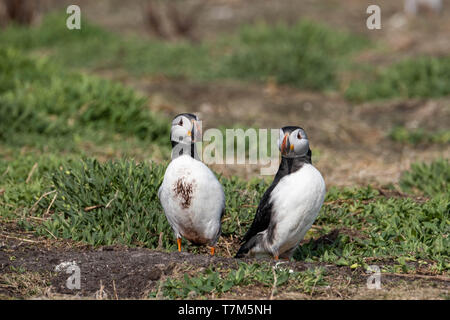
{"type": "Point", "coordinates": [293, 142]}
{"type": "Point", "coordinates": [185, 129]}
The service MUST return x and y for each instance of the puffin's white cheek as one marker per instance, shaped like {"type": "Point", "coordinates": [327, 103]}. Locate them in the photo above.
{"type": "Point", "coordinates": [301, 147]}
{"type": "Point", "coordinates": [179, 134]}
{"type": "Point", "coordinates": [187, 125]}
{"type": "Point", "coordinates": [292, 140]}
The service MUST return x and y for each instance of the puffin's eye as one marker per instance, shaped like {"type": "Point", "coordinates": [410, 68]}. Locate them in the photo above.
{"type": "Point", "coordinates": [181, 122]}
{"type": "Point", "coordinates": [299, 136]}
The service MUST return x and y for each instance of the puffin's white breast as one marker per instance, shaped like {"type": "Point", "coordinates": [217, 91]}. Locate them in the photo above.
{"type": "Point", "coordinates": [192, 199]}
{"type": "Point", "coordinates": [296, 201]}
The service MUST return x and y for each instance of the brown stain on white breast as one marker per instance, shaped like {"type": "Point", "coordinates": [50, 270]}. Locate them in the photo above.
{"type": "Point", "coordinates": [184, 192]}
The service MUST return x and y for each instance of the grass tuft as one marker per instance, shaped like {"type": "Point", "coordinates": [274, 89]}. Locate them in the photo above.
{"type": "Point", "coordinates": [262, 274]}
{"type": "Point", "coordinates": [429, 179]}
{"type": "Point", "coordinates": [419, 136]}
{"type": "Point", "coordinates": [425, 77]}
{"type": "Point", "coordinates": [39, 99]}
{"type": "Point", "coordinates": [108, 203]}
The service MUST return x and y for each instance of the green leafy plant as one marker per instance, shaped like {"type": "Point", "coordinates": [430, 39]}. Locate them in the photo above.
{"type": "Point", "coordinates": [113, 202]}
{"type": "Point", "coordinates": [429, 179]}
{"type": "Point", "coordinates": [216, 282]}
{"type": "Point", "coordinates": [38, 98]}
{"type": "Point", "coordinates": [415, 77]}
{"type": "Point", "coordinates": [419, 136]}
{"type": "Point", "coordinates": [354, 229]}
{"type": "Point", "coordinates": [305, 55]}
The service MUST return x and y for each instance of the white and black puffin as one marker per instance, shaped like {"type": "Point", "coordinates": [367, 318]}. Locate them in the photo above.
{"type": "Point", "coordinates": [191, 196]}
{"type": "Point", "coordinates": [290, 205]}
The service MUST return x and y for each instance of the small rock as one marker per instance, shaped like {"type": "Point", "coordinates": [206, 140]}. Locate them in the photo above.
{"type": "Point", "coordinates": [106, 248]}
{"type": "Point", "coordinates": [169, 268]}
{"type": "Point", "coordinates": [137, 255]}
{"type": "Point", "coordinates": [192, 295]}
{"type": "Point", "coordinates": [155, 274]}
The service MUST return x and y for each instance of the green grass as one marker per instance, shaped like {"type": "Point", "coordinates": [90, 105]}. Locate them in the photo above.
{"type": "Point", "coordinates": [19, 195]}
{"type": "Point", "coordinates": [419, 136]}
{"type": "Point", "coordinates": [429, 179]}
{"type": "Point", "coordinates": [424, 77]}
{"type": "Point", "coordinates": [39, 99]}
{"type": "Point", "coordinates": [133, 216]}
{"type": "Point", "coordinates": [49, 115]}
{"type": "Point", "coordinates": [307, 55]}
{"type": "Point", "coordinates": [218, 283]}
{"type": "Point", "coordinates": [387, 229]}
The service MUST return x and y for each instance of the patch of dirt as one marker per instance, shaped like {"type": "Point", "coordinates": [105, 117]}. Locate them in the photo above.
{"type": "Point", "coordinates": [118, 272]}
{"type": "Point", "coordinates": [121, 271]}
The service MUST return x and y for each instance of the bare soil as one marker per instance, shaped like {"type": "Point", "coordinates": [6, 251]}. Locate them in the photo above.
{"type": "Point", "coordinates": [119, 272]}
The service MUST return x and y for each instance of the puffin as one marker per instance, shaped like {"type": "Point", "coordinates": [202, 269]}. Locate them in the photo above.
{"type": "Point", "coordinates": [290, 205]}
{"type": "Point", "coordinates": [192, 197]}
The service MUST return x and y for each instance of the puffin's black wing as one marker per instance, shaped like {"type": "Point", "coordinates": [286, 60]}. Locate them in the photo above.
{"type": "Point", "coordinates": [260, 222]}
{"type": "Point", "coordinates": [262, 216]}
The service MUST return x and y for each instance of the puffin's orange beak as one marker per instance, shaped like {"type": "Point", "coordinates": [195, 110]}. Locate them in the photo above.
{"type": "Point", "coordinates": [284, 144]}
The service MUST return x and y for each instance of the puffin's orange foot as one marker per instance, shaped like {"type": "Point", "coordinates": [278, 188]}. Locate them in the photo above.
{"type": "Point", "coordinates": [212, 250]}
{"type": "Point", "coordinates": [179, 244]}
{"type": "Point", "coordinates": [275, 257]}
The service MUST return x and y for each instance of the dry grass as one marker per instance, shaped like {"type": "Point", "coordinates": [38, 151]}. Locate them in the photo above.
{"type": "Point", "coordinates": [24, 285]}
